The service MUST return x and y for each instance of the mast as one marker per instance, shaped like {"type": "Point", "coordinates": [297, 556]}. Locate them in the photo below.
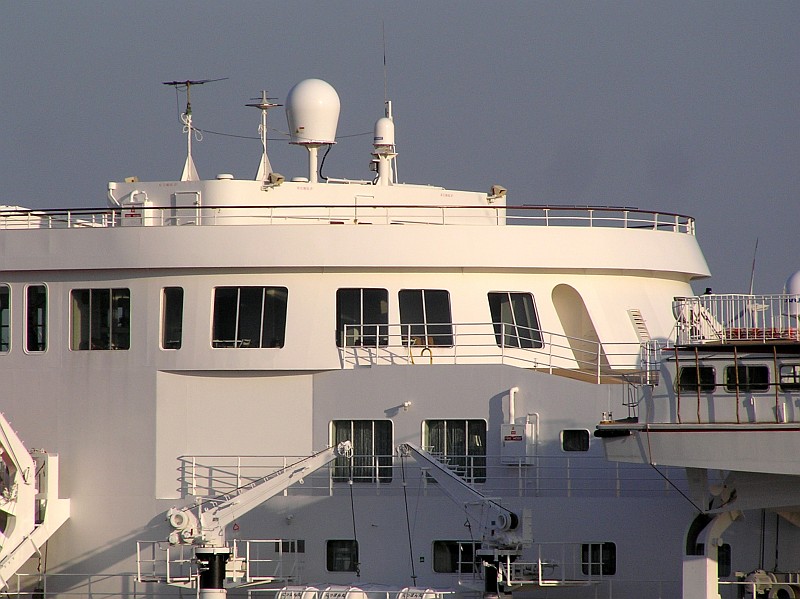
{"type": "Point", "coordinates": [189, 171]}
{"type": "Point", "coordinates": [264, 104]}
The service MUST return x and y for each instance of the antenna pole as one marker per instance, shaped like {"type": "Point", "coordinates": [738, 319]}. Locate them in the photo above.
{"type": "Point", "coordinates": [753, 269]}
{"type": "Point", "coordinates": [263, 103]}
{"type": "Point", "coordinates": [189, 170]}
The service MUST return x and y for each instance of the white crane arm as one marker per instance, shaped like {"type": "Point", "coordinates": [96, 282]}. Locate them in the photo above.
{"type": "Point", "coordinates": [209, 529]}
{"type": "Point", "coordinates": [498, 523]}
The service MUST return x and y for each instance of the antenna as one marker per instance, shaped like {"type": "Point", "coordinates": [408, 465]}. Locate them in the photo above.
{"type": "Point", "coordinates": [189, 170]}
{"type": "Point", "coordinates": [753, 269]}
{"type": "Point", "coordinates": [264, 104]}
{"type": "Point", "coordinates": [385, 74]}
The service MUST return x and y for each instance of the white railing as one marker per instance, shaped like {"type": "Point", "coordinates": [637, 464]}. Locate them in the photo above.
{"type": "Point", "coordinates": [733, 318]}
{"type": "Point", "coordinates": [252, 561]}
{"type": "Point", "coordinates": [484, 343]}
{"type": "Point", "coordinates": [540, 216]}
{"type": "Point", "coordinates": [212, 476]}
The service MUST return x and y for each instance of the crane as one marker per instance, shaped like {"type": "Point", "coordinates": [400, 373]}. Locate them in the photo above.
{"type": "Point", "coordinates": [501, 541]}
{"type": "Point", "coordinates": [30, 506]}
{"type": "Point", "coordinates": [205, 531]}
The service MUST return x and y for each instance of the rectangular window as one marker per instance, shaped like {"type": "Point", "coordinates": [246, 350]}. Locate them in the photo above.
{"type": "Point", "coordinates": [599, 559]}
{"type": "Point", "coordinates": [290, 546]}
{"type": "Point", "coordinates": [172, 318]}
{"type": "Point", "coordinates": [101, 319]}
{"type": "Point", "coordinates": [372, 450]}
{"type": "Point", "coordinates": [575, 440]}
{"type": "Point", "coordinates": [249, 317]}
{"type": "Point", "coordinates": [461, 444]}
{"type": "Point", "coordinates": [693, 377]}
{"type": "Point", "coordinates": [5, 318]}
{"type": "Point", "coordinates": [456, 557]}
{"type": "Point", "coordinates": [790, 377]}
{"type": "Point", "coordinates": [425, 317]}
{"type": "Point", "coordinates": [362, 317]}
{"type": "Point", "coordinates": [36, 311]}
{"type": "Point", "coordinates": [515, 321]}
{"type": "Point", "coordinates": [342, 555]}
{"type": "Point", "coordinates": [746, 378]}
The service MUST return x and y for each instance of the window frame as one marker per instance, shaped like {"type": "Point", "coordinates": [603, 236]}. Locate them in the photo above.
{"type": "Point", "coordinates": [370, 467]}
{"type": "Point", "coordinates": [471, 466]}
{"type": "Point", "coordinates": [41, 327]}
{"type": "Point", "coordinates": [100, 330]}
{"type": "Point", "coordinates": [172, 317]}
{"type": "Point", "coordinates": [243, 312]}
{"type": "Point", "coordinates": [427, 331]}
{"type": "Point", "coordinates": [465, 553]}
{"type": "Point", "coordinates": [584, 437]}
{"type": "Point", "coordinates": [691, 386]}
{"type": "Point", "coordinates": [5, 318]}
{"type": "Point", "coordinates": [379, 330]}
{"type": "Point", "coordinates": [789, 381]}
{"type": "Point", "coordinates": [599, 559]}
{"type": "Point", "coordinates": [351, 545]}
{"type": "Point", "coordinates": [745, 372]}
{"type": "Point", "coordinates": [531, 337]}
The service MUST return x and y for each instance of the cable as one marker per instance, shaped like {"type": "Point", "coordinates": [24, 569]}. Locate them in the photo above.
{"type": "Point", "coordinates": [686, 497]}
{"type": "Point", "coordinates": [353, 514]}
{"type": "Point", "coordinates": [322, 164]}
{"type": "Point", "coordinates": [408, 522]}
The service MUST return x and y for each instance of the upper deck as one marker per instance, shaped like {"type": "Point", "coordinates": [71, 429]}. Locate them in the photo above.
{"type": "Point", "coordinates": [737, 319]}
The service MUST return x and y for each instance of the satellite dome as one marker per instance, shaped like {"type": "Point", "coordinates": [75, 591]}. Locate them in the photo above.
{"type": "Point", "coordinates": [312, 111]}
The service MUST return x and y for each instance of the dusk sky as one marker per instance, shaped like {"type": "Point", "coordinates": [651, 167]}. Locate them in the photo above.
{"type": "Point", "coordinates": [687, 107]}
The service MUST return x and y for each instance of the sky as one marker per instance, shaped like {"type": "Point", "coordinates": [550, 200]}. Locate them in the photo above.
{"type": "Point", "coordinates": [682, 107]}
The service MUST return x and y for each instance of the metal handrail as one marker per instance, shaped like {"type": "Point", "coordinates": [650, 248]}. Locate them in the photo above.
{"type": "Point", "coordinates": [470, 343]}
{"type": "Point", "coordinates": [551, 475]}
{"type": "Point", "coordinates": [400, 214]}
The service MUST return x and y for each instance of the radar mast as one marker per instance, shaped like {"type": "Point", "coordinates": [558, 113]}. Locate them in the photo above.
{"type": "Point", "coordinates": [189, 171]}
{"type": "Point", "coordinates": [264, 104]}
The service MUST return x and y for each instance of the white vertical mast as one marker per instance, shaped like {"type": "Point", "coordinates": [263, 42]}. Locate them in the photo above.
{"type": "Point", "coordinates": [264, 167]}
{"type": "Point", "coordinates": [189, 171]}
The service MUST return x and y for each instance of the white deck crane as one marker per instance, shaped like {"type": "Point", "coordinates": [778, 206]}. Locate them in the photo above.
{"type": "Point", "coordinates": [206, 529]}
{"type": "Point", "coordinates": [29, 503]}
{"type": "Point", "coordinates": [501, 541]}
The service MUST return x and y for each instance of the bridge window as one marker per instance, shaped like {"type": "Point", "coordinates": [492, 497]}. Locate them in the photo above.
{"type": "Point", "coordinates": [371, 460]}
{"type": "Point", "coordinates": [172, 318]}
{"type": "Point", "coordinates": [746, 378]}
{"type": "Point", "coordinates": [575, 440]}
{"type": "Point", "coordinates": [249, 317]}
{"type": "Point", "coordinates": [460, 444]}
{"type": "Point", "coordinates": [693, 377]}
{"type": "Point", "coordinates": [456, 557]}
{"type": "Point", "coordinates": [425, 316]}
{"type": "Point", "coordinates": [515, 321]}
{"type": "Point", "coordinates": [5, 318]}
{"type": "Point", "coordinates": [599, 559]}
{"type": "Point", "coordinates": [36, 312]}
{"type": "Point", "coordinates": [790, 377]}
{"type": "Point", "coordinates": [101, 319]}
{"type": "Point", "coordinates": [342, 555]}
{"type": "Point", "coordinates": [362, 317]}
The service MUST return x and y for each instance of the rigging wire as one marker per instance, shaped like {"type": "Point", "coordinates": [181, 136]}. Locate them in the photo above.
{"type": "Point", "coordinates": [684, 495]}
{"type": "Point", "coordinates": [353, 514]}
{"type": "Point", "coordinates": [408, 522]}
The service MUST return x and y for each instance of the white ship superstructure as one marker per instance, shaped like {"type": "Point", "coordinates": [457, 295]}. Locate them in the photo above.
{"type": "Point", "coordinates": [197, 335]}
{"type": "Point", "coordinates": [723, 405]}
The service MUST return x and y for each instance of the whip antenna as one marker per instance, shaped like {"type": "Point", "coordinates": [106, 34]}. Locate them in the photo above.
{"type": "Point", "coordinates": [189, 171]}
{"type": "Point", "coordinates": [753, 269]}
